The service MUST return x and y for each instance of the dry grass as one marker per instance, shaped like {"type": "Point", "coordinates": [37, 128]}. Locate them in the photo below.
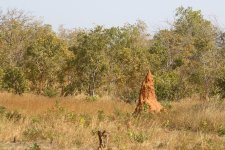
{"type": "Point", "coordinates": [36, 104]}
{"type": "Point", "coordinates": [72, 122]}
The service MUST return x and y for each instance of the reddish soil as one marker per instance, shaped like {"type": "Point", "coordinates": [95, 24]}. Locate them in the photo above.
{"type": "Point", "coordinates": [148, 96]}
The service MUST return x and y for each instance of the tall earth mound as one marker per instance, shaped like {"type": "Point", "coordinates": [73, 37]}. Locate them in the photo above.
{"type": "Point", "coordinates": [147, 96]}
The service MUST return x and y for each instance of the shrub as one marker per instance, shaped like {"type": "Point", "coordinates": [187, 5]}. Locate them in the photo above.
{"type": "Point", "coordinates": [221, 131]}
{"type": "Point", "coordinates": [130, 95]}
{"type": "Point", "coordinates": [101, 115]}
{"type": "Point", "coordinates": [2, 109]}
{"type": "Point", "coordinates": [50, 92]}
{"type": "Point", "coordinates": [15, 116]}
{"type": "Point", "coordinates": [35, 146]}
{"type": "Point", "coordinates": [146, 107]}
{"type": "Point", "coordinates": [166, 86]}
{"type": "Point", "coordinates": [220, 84]}
{"type": "Point", "coordinates": [91, 98]}
{"type": "Point", "coordinates": [71, 117]}
{"type": "Point", "coordinates": [84, 120]}
{"type": "Point", "coordinates": [69, 89]}
{"type": "Point", "coordinates": [167, 104]}
{"type": "Point", "coordinates": [32, 133]}
{"type": "Point", "coordinates": [14, 81]}
{"type": "Point", "coordinates": [1, 77]}
{"type": "Point", "coordinates": [139, 137]}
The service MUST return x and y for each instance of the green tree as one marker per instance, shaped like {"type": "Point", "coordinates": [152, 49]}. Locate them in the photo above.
{"type": "Point", "coordinates": [166, 58]}
{"type": "Point", "coordinates": [188, 51]}
{"type": "Point", "coordinates": [44, 58]}
{"type": "Point", "coordinates": [199, 45]}
{"type": "Point", "coordinates": [16, 30]}
{"type": "Point", "coordinates": [14, 81]}
{"type": "Point", "coordinates": [220, 64]}
{"type": "Point", "coordinates": [128, 55]}
{"type": "Point", "coordinates": [90, 60]}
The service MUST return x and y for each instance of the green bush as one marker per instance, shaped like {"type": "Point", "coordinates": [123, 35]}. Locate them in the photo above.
{"type": "Point", "coordinates": [139, 137]}
{"type": "Point", "coordinates": [101, 115]}
{"type": "Point", "coordinates": [69, 89]}
{"type": "Point", "coordinates": [166, 86]}
{"type": "Point", "coordinates": [14, 81]}
{"type": "Point", "coordinates": [1, 77]}
{"type": "Point", "coordinates": [2, 109]}
{"type": "Point", "coordinates": [35, 146]}
{"type": "Point", "coordinates": [50, 92]}
{"type": "Point", "coordinates": [91, 98]}
{"type": "Point", "coordinates": [220, 84]}
{"type": "Point", "coordinates": [167, 104]}
{"type": "Point", "coordinates": [221, 131]}
{"type": "Point", "coordinates": [130, 95]}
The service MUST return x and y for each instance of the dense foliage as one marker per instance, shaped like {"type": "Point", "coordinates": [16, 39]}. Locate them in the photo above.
{"type": "Point", "coordinates": [186, 59]}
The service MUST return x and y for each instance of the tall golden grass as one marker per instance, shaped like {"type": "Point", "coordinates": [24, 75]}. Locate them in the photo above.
{"type": "Point", "coordinates": [36, 104]}
{"type": "Point", "coordinates": [72, 123]}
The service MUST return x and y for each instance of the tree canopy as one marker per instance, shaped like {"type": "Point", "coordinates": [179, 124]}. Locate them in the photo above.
{"type": "Point", "coordinates": [186, 59]}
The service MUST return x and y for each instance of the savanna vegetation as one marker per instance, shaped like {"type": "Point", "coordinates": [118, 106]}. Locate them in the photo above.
{"type": "Point", "coordinates": [57, 88]}
{"type": "Point", "coordinates": [36, 122]}
{"type": "Point", "coordinates": [186, 59]}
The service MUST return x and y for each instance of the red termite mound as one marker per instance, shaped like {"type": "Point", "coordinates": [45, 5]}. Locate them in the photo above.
{"type": "Point", "coordinates": [147, 96]}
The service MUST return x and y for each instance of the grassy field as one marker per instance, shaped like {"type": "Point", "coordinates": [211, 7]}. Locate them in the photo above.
{"type": "Point", "coordinates": [34, 122]}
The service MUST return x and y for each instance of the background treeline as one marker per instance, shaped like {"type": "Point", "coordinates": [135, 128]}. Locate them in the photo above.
{"type": "Point", "coordinates": [187, 59]}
